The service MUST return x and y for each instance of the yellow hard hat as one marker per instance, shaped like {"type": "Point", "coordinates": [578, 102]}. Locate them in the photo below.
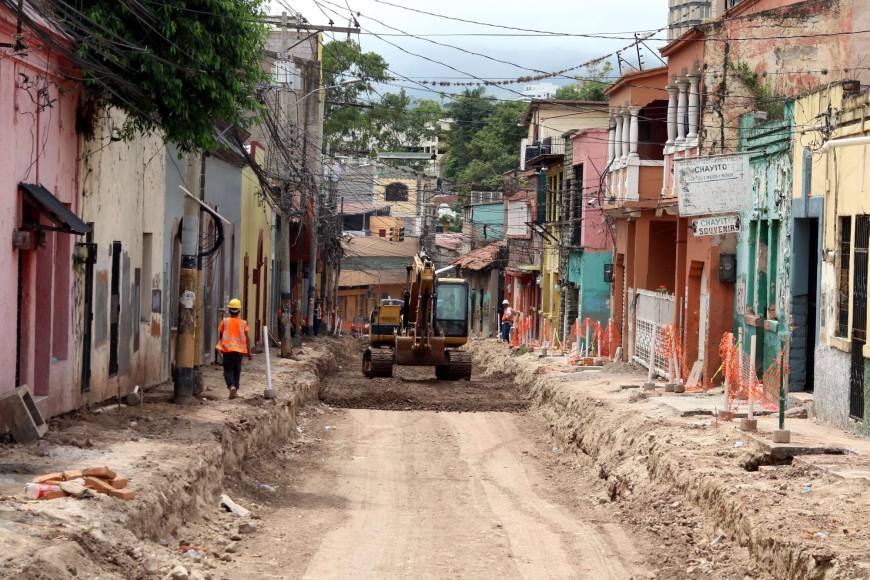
{"type": "Point", "coordinates": [235, 304]}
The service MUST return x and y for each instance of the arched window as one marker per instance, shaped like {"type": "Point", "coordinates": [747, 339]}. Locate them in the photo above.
{"type": "Point", "coordinates": [396, 192]}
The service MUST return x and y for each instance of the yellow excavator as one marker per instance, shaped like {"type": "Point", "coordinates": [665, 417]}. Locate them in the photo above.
{"type": "Point", "coordinates": [425, 328]}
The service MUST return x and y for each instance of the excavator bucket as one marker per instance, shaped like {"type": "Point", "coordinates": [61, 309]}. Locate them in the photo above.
{"type": "Point", "coordinates": [421, 354]}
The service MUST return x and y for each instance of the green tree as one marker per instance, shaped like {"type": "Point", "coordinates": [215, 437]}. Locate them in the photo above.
{"type": "Point", "coordinates": [483, 141]}
{"type": "Point", "coordinates": [592, 88]}
{"type": "Point", "coordinates": [358, 120]}
{"type": "Point", "coordinates": [174, 66]}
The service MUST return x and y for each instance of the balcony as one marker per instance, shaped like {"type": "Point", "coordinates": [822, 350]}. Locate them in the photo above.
{"type": "Point", "coordinates": [549, 149]}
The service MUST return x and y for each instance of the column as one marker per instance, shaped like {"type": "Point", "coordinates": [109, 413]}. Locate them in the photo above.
{"type": "Point", "coordinates": [633, 132]}
{"type": "Point", "coordinates": [682, 104]}
{"type": "Point", "coordinates": [626, 132]}
{"type": "Point", "coordinates": [617, 137]}
{"type": "Point", "coordinates": [672, 115]}
{"type": "Point", "coordinates": [611, 139]}
{"type": "Point", "coordinates": [694, 105]}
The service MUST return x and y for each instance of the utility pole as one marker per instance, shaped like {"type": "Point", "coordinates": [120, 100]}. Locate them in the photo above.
{"type": "Point", "coordinates": [185, 356]}
{"type": "Point", "coordinates": [312, 264]}
{"type": "Point", "coordinates": [285, 280]}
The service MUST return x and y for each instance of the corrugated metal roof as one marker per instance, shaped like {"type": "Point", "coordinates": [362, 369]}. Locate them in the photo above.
{"type": "Point", "coordinates": [350, 278]}
{"type": "Point", "coordinates": [377, 246]}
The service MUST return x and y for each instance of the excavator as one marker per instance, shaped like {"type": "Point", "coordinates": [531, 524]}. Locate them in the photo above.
{"type": "Point", "coordinates": [424, 328]}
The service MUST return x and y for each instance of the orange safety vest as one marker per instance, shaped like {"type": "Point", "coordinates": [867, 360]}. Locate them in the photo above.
{"type": "Point", "coordinates": [505, 317]}
{"type": "Point", "coordinates": [233, 335]}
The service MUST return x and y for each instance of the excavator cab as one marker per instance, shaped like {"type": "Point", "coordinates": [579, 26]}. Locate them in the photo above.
{"type": "Point", "coordinates": [451, 311]}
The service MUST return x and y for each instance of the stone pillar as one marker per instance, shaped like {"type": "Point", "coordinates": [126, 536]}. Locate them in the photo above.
{"type": "Point", "coordinates": [682, 105]}
{"type": "Point", "coordinates": [611, 139]}
{"type": "Point", "coordinates": [617, 142]}
{"type": "Point", "coordinates": [626, 133]}
{"type": "Point", "coordinates": [672, 115]}
{"type": "Point", "coordinates": [633, 132]}
{"type": "Point", "coordinates": [694, 105]}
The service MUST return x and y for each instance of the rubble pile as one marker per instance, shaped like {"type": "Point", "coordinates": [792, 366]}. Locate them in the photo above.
{"type": "Point", "coordinates": [79, 483]}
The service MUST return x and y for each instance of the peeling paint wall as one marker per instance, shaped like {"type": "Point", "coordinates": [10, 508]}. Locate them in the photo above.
{"type": "Point", "coordinates": [764, 241]}
{"type": "Point", "coordinates": [123, 191]}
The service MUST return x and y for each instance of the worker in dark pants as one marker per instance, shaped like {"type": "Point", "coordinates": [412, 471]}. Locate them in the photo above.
{"type": "Point", "coordinates": [233, 342]}
{"type": "Point", "coordinates": [507, 321]}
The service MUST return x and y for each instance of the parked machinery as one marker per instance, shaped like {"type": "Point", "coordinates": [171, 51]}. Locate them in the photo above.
{"type": "Point", "coordinates": [425, 328]}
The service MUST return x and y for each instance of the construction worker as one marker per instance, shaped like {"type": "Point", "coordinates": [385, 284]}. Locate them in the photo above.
{"type": "Point", "coordinates": [233, 342]}
{"type": "Point", "coordinates": [507, 320]}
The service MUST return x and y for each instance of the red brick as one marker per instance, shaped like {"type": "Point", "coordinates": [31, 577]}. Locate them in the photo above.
{"type": "Point", "coordinates": [97, 484]}
{"type": "Point", "coordinates": [101, 472]}
{"type": "Point", "coordinates": [125, 494]}
{"type": "Point", "coordinates": [119, 482]}
{"type": "Point", "coordinates": [49, 477]}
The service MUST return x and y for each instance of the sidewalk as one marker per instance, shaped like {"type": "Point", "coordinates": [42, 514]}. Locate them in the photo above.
{"type": "Point", "coordinates": [175, 457]}
{"type": "Point", "coordinates": [801, 518]}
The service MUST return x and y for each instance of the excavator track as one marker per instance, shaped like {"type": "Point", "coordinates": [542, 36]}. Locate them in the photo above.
{"type": "Point", "coordinates": [378, 363]}
{"type": "Point", "coordinates": [459, 366]}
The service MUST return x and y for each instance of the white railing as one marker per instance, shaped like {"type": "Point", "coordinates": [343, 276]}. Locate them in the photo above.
{"type": "Point", "coordinates": [653, 311]}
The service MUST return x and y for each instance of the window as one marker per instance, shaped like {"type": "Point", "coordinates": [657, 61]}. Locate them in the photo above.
{"type": "Point", "coordinates": [859, 280]}
{"type": "Point", "coordinates": [61, 291]}
{"type": "Point", "coordinates": [396, 192]}
{"type": "Point", "coordinates": [283, 72]}
{"type": "Point", "coordinates": [145, 293]}
{"type": "Point", "coordinates": [843, 279]}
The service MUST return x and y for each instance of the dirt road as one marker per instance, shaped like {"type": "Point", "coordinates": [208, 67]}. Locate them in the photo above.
{"type": "Point", "coordinates": [433, 495]}
{"type": "Point", "coordinates": [381, 493]}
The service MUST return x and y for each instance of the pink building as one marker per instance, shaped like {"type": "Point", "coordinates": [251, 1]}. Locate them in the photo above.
{"type": "Point", "coordinates": [586, 234]}
{"type": "Point", "coordinates": [38, 200]}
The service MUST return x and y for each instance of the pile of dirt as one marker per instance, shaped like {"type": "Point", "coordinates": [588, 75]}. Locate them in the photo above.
{"type": "Point", "coordinates": [417, 389]}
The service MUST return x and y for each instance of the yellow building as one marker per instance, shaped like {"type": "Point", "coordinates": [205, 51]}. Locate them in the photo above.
{"type": "Point", "coordinates": [255, 249]}
{"type": "Point", "coordinates": [401, 190]}
{"type": "Point", "coordinates": [381, 226]}
{"type": "Point", "coordinates": [831, 237]}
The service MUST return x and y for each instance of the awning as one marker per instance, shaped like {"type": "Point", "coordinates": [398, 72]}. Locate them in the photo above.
{"type": "Point", "coordinates": [56, 211]}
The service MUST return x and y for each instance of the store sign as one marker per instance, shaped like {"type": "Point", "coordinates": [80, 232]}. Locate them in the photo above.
{"type": "Point", "coordinates": [713, 185]}
{"type": "Point", "coordinates": [716, 225]}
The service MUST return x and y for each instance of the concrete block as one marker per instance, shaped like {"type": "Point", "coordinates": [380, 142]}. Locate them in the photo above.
{"type": "Point", "coordinates": [781, 436]}
{"type": "Point", "coordinates": [749, 425]}
{"type": "Point", "coordinates": [20, 416]}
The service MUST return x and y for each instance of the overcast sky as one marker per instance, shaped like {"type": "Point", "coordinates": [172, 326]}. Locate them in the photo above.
{"type": "Point", "coordinates": [532, 52]}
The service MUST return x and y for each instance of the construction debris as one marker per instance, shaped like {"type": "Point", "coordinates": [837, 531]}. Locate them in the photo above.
{"type": "Point", "coordinates": [233, 507]}
{"type": "Point", "coordinates": [79, 483]}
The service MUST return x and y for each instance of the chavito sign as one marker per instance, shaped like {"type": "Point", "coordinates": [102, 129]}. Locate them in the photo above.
{"type": "Point", "coordinates": [713, 185]}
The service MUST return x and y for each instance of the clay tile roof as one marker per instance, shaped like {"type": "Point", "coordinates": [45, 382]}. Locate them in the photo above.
{"type": "Point", "coordinates": [451, 241]}
{"type": "Point", "coordinates": [480, 258]}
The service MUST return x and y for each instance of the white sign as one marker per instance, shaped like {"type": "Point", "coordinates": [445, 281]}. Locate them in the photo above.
{"type": "Point", "coordinates": [713, 185]}
{"type": "Point", "coordinates": [716, 225]}
{"type": "Point", "coordinates": [188, 298]}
